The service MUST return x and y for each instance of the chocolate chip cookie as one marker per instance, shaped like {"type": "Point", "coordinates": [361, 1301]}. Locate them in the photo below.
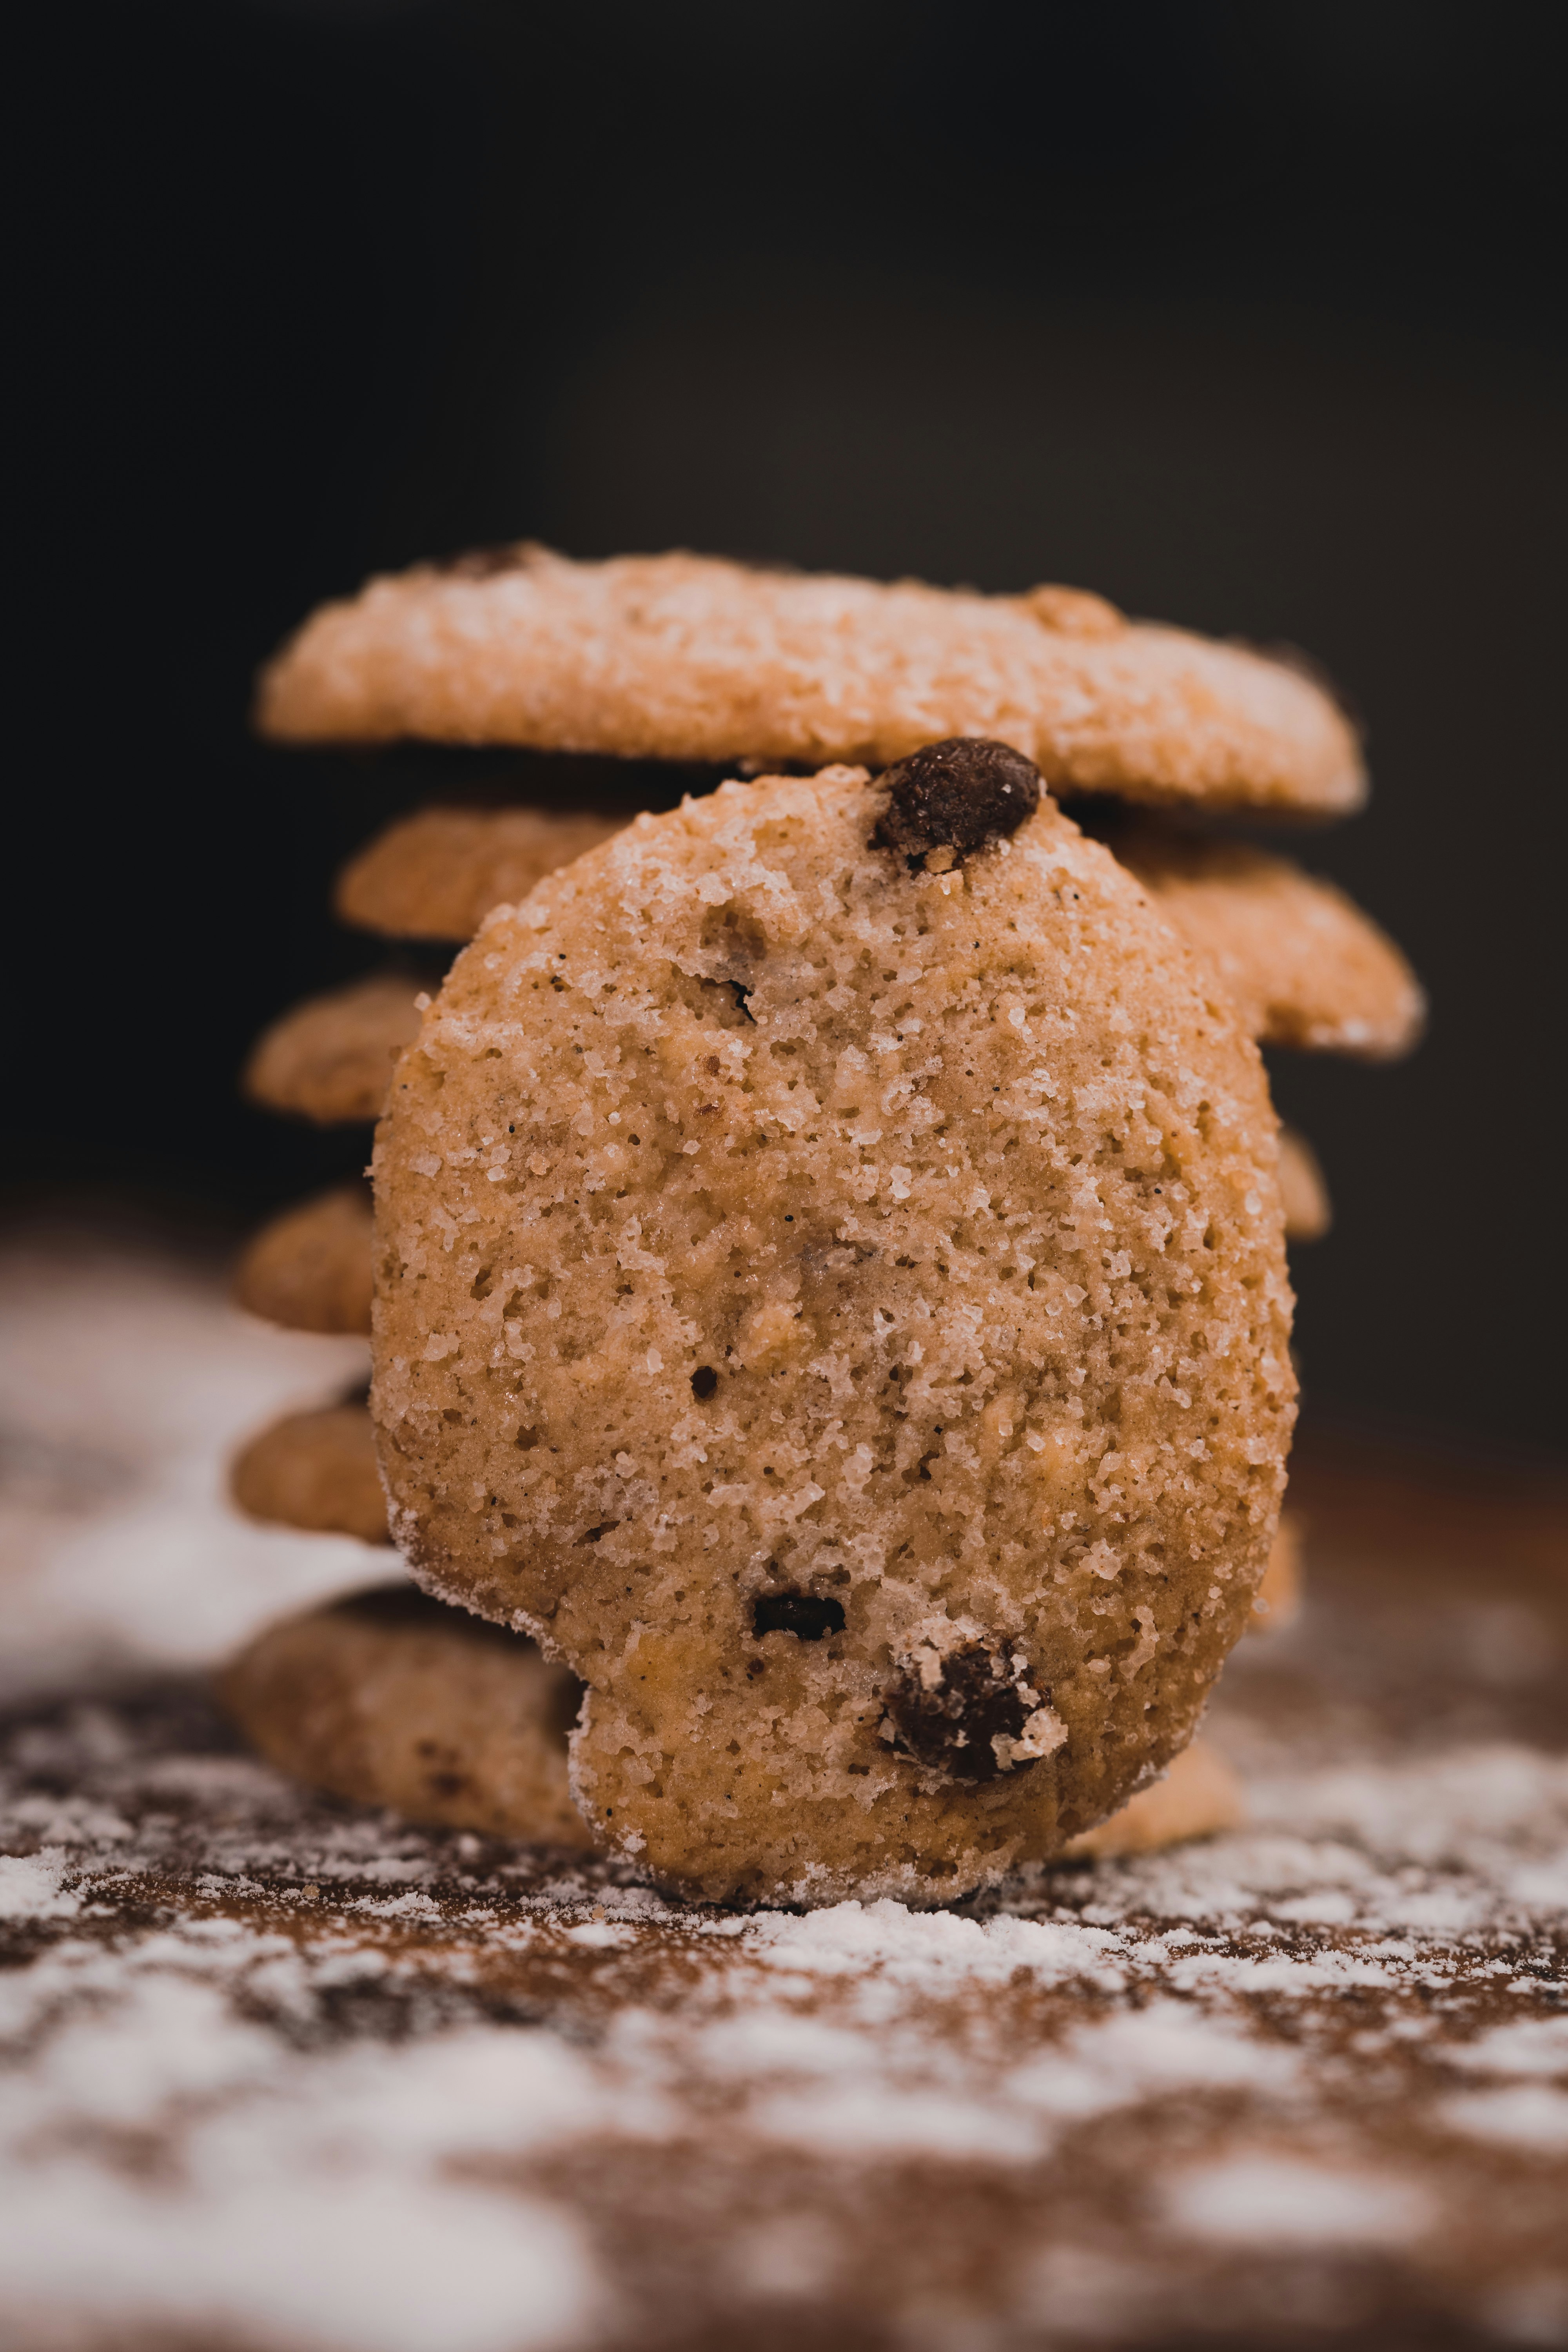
{"type": "Point", "coordinates": [830, 1292]}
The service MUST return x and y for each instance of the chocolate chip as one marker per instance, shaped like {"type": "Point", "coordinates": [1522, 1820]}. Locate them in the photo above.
{"type": "Point", "coordinates": [948, 1724]}
{"type": "Point", "coordinates": [704, 1381]}
{"type": "Point", "coordinates": [808, 1615]}
{"type": "Point", "coordinates": [955, 796]}
{"type": "Point", "coordinates": [484, 562]}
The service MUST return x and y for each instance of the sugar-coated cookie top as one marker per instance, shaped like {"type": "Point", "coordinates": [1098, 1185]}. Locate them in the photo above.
{"type": "Point", "coordinates": [684, 658]}
{"type": "Point", "coordinates": [833, 1294]}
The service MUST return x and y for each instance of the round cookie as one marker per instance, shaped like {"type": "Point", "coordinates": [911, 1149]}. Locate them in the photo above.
{"type": "Point", "coordinates": [1304, 966]}
{"type": "Point", "coordinates": [329, 1059]}
{"type": "Point", "coordinates": [436, 875]}
{"type": "Point", "coordinates": [310, 1268]}
{"type": "Point", "coordinates": [1309, 1213]}
{"type": "Point", "coordinates": [831, 1292]}
{"type": "Point", "coordinates": [1198, 1796]}
{"type": "Point", "coordinates": [682, 658]}
{"type": "Point", "coordinates": [387, 1698]}
{"type": "Point", "coordinates": [315, 1471]}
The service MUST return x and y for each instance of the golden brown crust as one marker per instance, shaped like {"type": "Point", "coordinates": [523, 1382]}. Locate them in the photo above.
{"type": "Point", "coordinates": [328, 1059]}
{"type": "Point", "coordinates": [682, 657]}
{"type": "Point", "coordinates": [315, 1471]}
{"type": "Point", "coordinates": [1303, 965]}
{"type": "Point", "coordinates": [762, 1226]}
{"type": "Point", "coordinates": [436, 875]}
{"type": "Point", "coordinates": [1309, 1213]}
{"type": "Point", "coordinates": [310, 1269]}
{"type": "Point", "coordinates": [1199, 1796]}
{"type": "Point", "coordinates": [390, 1699]}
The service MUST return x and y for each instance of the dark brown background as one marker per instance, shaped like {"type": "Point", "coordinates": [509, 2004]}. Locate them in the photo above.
{"type": "Point", "coordinates": [1250, 316]}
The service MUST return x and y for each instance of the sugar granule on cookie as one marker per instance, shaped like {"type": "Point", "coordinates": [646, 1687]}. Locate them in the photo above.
{"type": "Point", "coordinates": [684, 658]}
{"type": "Point", "coordinates": [839, 1311]}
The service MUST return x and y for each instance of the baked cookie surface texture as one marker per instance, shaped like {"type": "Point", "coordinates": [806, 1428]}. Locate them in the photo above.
{"type": "Point", "coordinates": [684, 658]}
{"type": "Point", "coordinates": [831, 1294]}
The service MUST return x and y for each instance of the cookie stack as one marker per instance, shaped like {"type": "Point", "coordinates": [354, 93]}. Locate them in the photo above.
{"type": "Point", "coordinates": [828, 1236]}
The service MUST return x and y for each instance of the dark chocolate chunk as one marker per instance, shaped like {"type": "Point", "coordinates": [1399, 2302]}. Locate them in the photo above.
{"type": "Point", "coordinates": [809, 1616]}
{"type": "Point", "coordinates": [956, 795]}
{"type": "Point", "coordinates": [949, 1727]}
{"type": "Point", "coordinates": [704, 1381]}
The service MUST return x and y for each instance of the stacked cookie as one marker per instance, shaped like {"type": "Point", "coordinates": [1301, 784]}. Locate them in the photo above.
{"type": "Point", "coordinates": [828, 1235]}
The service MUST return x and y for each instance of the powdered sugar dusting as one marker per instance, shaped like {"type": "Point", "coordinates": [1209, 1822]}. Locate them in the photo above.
{"type": "Point", "coordinates": [291, 2073]}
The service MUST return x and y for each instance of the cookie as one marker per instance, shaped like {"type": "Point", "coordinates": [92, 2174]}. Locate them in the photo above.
{"type": "Point", "coordinates": [682, 657]}
{"type": "Point", "coordinates": [831, 1293]}
{"type": "Point", "coordinates": [310, 1268]}
{"type": "Point", "coordinates": [330, 1058]}
{"type": "Point", "coordinates": [387, 1698]}
{"type": "Point", "coordinates": [1199, 1796]}
{"type": "Point", "coordinates": [1309, 1213]}
{"type": "Point", "coordinates": [1304, 966]}
{"type": "Point", "coordinates": [436, 875]}
{"type": "Point", "coordinates": [316, 1471]}
{"type": "Point", "coordinates": [1277, 1603]}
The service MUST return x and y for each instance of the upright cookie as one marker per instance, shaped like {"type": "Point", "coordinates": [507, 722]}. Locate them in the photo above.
{"type": "Point", "coordinates": [435, 875]}
{"type": "Point", "coordinates": [389, 1700]}
{"type": "Point", "coordinates": [315, 1471]}
{"type": "Point", "coordinates": [1304, 965]}
{"type": "Point", "coordinates": [831, 1293]}
{"type": "Point", "coordinates": [680, 657]}
{"type": "Point", "coordinates": [329, 1059]}
{"type": "Point", "coordinates": [310, 1269]}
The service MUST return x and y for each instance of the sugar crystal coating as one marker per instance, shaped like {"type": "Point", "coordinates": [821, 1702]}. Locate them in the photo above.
{"type": "Point", "coordinates": [960, 1184]}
